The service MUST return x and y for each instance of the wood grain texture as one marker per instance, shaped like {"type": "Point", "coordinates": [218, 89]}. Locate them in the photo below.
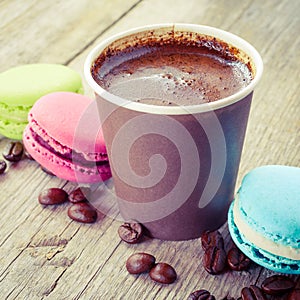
{"type": "Point", "coordinates": [44, 254]}
{"type": "Point", "coordinates": [53, 31]}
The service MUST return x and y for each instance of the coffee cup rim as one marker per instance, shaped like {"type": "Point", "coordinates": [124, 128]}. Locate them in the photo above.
{"type": "Point", "coordinates": [227, 37]}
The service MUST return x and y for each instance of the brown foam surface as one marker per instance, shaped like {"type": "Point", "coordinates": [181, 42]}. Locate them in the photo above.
{"type": "Point", "coordinates": [171, 74]}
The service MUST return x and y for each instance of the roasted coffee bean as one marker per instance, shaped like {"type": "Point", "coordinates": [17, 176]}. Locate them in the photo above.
{"type": "Point", "coordinates": [227, 298]}
{"type": "Point", "coordinates": [163, 273]}
{"type": "Point", "coordinates": [277, 285]}
{"type": "Point", "coordinates": [237, 260]}
{"type": "Point", "coordinates": [139, 263]}
{"type": "Point", "coordinates": [131, 232]}
{"type": "Point", "coordinates": [82, 212]}
{"type": "Point", "coordinates": [201, 295]}
{"type": "Point", "coordinates": [214, 260]}
{"type": "Point", "coordinates": [79, 195]}
{"type": "Point", "coordinates": [252, 293]}
{"type": "Point", "coordinates": [13, 151]}
{"type": "Point", "coordinates": [53, 196]}
{"type": "Point", "coordinates": [294, 295]}
{"type": "Point", "coordinates": [212, 239]}
{"type": "Point", "coordinates": [3, 166]}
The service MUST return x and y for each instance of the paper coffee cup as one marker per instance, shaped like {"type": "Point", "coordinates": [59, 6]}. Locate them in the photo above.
{"type": "Point", "coordinates": [175, 167]}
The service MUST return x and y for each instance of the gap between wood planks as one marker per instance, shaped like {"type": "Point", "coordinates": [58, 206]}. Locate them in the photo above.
{"type": "Point", "coordinates": [101, 33]}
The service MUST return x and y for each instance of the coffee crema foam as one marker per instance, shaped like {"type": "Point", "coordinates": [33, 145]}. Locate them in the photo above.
{"type": "Point", "coordinates": [172, 72]}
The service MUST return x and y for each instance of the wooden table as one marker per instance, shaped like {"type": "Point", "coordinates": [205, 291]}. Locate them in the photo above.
{"type": "Point", "coordinates": [45, 255]}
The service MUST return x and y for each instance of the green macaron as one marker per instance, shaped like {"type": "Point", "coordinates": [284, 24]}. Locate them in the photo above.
{"type": "Point", "coordinates": [22, 86]}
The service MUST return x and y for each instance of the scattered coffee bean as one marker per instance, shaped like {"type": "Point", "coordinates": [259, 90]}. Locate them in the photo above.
{"type": "Point", "coordinates": [236, 260]}
{"type": "Point", "coordinates": [82, 212]}
{"type": "Point", "coordinates": [79, 195]}
{"type": "Point", "coordinates": [130, 232]}
{"type": "Point", "coordinates": [46, 171]}
{"type": "Point", "coordinates": [228, 298]}
{"type": "Point", "coordinates": [139, 263]}
{"type": "Point", "coordinates": [277, 285]}
{"type": "Point", "coordinates": [252, 293]}
{"type": "Point", "coordinates": [201, 295]}
{"type": "Point", "coordinates": [3, 166]}
{"type": "Point", "coordinates": [53, 196]}
{"type": "Point", "coordinates": [294, 295]}
{"type": "Point", "coordinates": [13, 152]}
{"type": "Point", "coordinates": [212, 239]}
{"type": "Point", "coordinates": [214, 260]}
{"type": "Point", "coordinates": [163, 273]}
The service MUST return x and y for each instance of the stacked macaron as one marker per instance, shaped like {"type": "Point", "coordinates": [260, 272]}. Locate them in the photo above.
{"type": "Point", "coordinates": [64, 135]}
{"type": "Point", "coordinates": [22, 86]}
{"type": "Point", "coordinates": [264, 219]}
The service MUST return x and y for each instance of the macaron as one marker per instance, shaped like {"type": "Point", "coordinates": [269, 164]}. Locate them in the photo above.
{"type": "Point", "coordinates": [22, 86]}
{"type": "Point", "coordinates": [264, 218]}
{"type": "Point", "coordinates": [64, 135]}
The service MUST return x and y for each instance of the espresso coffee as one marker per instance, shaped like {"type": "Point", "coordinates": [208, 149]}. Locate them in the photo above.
{"type": "Point", "coordinates": [175, 72]}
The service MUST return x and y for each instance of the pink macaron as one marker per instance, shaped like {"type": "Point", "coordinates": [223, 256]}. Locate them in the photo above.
{"type": "Point", "coordinates": [64, 135]}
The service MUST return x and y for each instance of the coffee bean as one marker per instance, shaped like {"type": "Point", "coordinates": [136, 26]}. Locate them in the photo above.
{"type": "Point", "coordinates": [212, 239]}
{"type": "Point", "coordinates": [294, 295]}
{"type": "Point", "coordinates": [227, 298]}
{"type": "Point", "coordinates": [13, 152]}
{"type": "Point", "coordinates": [3, 166]}
{"type": "Point", "coordinates": [79, 195]}
{"type": "Point", "coordinates": [130, 232]}
{"type": "Point", "coordinates": [163, 273]}
{"type": "Point", "coordinates": [201, 295]}
{"type": "Point", "coordinates": [53, 196]}
{"type": "Point", "coordinates": [214, 260]}
{"type": "Point", "coordinates": [82, 212]}
{"type": "Point", "coordinates": [252, 293]}
{"type": "Point", "coordinates": [237, 261]}
{"type": "Point", "coordinates": [277, 285]}
{"type": "Point", "coordinates": [139, 263]}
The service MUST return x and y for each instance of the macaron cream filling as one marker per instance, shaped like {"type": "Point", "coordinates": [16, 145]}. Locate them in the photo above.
{"type": "Point", "coordinates": [259, 240]}
{"type": "Point", "coordinates": [90, 163]}
{"type": "Point", "coordinates": [84, 167]}
{"type": "Point", "coordinates": [14, 113]}
{"type": "Point", "coordinates": [41, 136]}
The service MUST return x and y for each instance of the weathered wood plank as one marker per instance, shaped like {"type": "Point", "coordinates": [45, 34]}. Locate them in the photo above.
{"type": "Point", "coordinates": [186, 257]}
{"type": "Point", "coordinates": [45, 255]}
{"type": "Point", "coordinates": [53, 31]}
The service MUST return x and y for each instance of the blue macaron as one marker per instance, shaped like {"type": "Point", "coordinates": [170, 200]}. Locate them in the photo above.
{"type": "Point", "coordinates": [264, 219]}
